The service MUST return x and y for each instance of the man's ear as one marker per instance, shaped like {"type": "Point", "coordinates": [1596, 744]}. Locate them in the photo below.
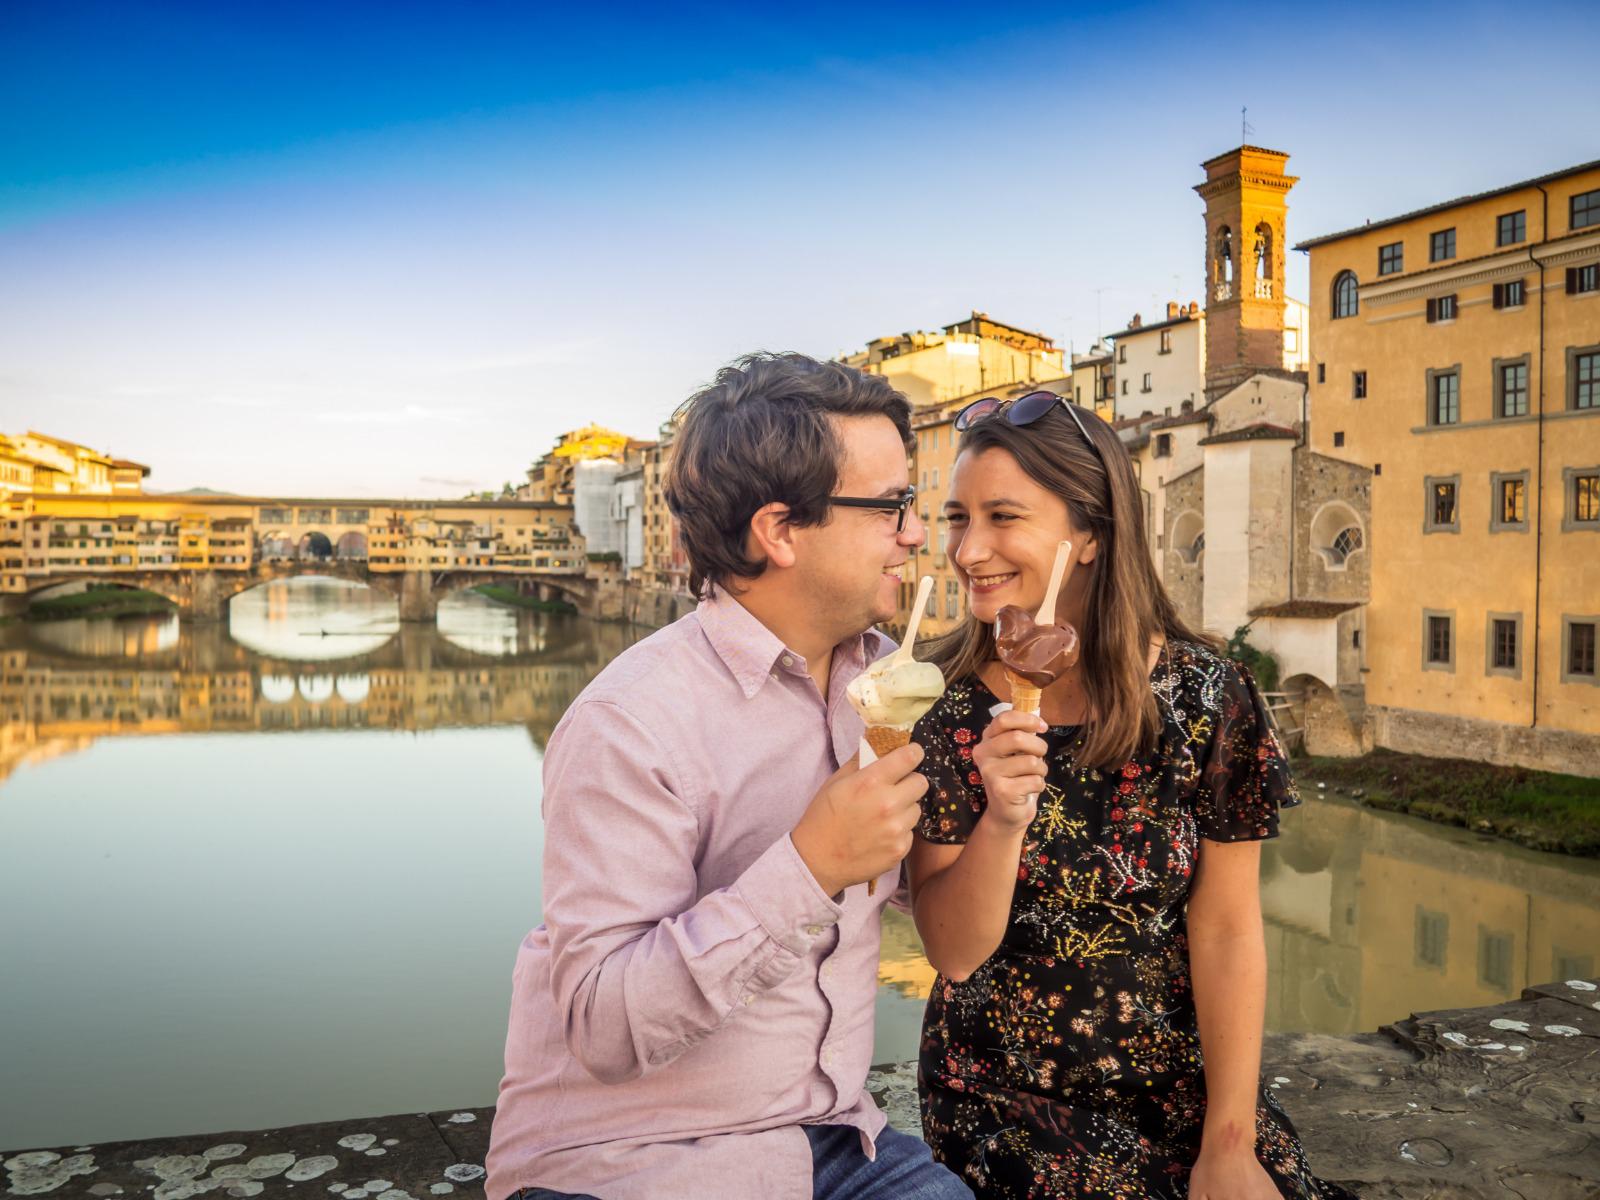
{"type": "Point", "coordinates": [771, 535]}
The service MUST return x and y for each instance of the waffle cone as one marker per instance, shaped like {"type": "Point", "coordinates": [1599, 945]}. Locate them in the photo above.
{"type": "Point", "coordinates": [1025, 696]}
{"type": "Point", "coordinates": [885, 738]}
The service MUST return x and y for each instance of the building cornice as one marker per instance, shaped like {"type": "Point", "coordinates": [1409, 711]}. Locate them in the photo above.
{"type": "Point", "coordinates": [1508, 264]}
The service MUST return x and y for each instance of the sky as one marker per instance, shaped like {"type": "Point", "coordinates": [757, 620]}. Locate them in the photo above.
{"type": "Point", "coordinates": [395, 250]}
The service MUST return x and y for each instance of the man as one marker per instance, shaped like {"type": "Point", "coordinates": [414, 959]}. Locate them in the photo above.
{"type": "Point", "coordinates": [695, 1016]}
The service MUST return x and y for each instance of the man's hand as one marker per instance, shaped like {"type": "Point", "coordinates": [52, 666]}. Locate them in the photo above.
{"type": "Point", "coordinates": [1011, 760]}
{"type": "Point", "coordinates": [859, 825]}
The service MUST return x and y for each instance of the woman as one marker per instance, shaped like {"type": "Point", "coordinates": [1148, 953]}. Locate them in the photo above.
{"type": "Point", "coordinates": [1085, 880]}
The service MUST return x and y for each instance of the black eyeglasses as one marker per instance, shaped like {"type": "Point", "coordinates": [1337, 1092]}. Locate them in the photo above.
{"type": "Point", "coordinates": [1023, 411]}
{"type": "Point", "coordinates": [900, 504]}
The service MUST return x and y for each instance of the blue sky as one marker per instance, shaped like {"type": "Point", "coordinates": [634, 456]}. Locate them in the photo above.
{"type": "Point", "coordinates": [374, 250]}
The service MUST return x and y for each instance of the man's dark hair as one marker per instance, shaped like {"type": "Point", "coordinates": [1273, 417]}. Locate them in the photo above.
{"type": "Point", "coordinates": [760, 434]}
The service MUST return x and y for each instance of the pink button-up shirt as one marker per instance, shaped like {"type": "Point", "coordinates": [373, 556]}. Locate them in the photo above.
{"type": "Point", "coordinates": [693, 997]}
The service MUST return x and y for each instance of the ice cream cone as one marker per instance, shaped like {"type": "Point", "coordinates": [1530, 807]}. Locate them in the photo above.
{"type": "Point", "coordinates": [1025, 696]}
{"type": "Point", "coordinates": [884, 738]}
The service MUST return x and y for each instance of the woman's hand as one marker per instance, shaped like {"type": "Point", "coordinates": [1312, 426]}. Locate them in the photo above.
{"type": "Point", "coordinates": [1011, 760]}
{"type": "Point", "coordinates": [1231, 1175]}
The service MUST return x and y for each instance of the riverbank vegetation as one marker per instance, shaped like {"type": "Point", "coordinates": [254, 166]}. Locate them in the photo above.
{"type": "Point", "coordinates": [99, 600]}
{"type": "Point", "coordinates": [1537, 809]}
{"type": "Point", "coordinates": [501, 594]}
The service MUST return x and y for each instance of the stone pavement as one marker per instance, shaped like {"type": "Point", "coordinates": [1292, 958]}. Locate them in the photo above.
{"type": "Point", "coordinates": [1499, 1103]}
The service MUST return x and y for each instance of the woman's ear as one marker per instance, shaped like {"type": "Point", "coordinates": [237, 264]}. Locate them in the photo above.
{"type": "Point", "coordinates": [771, 535]}
{"type": "Point", "coordinates": [1091, 547]}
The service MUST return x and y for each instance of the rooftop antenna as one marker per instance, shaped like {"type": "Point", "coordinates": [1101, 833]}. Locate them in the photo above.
{"type": "Point", "coordinates": [1245, 129]}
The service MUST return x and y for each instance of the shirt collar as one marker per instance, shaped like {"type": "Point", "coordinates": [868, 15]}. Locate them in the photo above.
{"type": "Point", "coordinates": [751, 651]}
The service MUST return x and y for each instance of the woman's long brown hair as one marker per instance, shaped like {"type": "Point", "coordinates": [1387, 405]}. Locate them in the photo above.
{"type": "Point", "coordinates": [1127, 605]}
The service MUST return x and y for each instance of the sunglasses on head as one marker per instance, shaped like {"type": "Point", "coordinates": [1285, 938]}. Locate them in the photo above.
{"type": "Point", "coordinates": [1023, 411]}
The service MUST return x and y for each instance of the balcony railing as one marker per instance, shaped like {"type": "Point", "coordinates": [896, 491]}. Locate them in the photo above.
{"type": "Point", "coordinates": [1263, 289]}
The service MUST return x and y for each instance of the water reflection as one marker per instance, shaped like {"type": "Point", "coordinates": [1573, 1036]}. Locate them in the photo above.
{"type": "Point", "coordinates": [223, 930]}
{"type": "Point", "coordinates": [1372, 916]}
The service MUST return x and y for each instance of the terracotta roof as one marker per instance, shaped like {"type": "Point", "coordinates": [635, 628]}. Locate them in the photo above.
{"type": "Point", "coordinates": [1448, 204]}
{"type": "Point", "coordinates": [127, 464]}
{"type": "Point", "coordinates": [1183, 418]}
{"type": "Point", "coordinates": [1164, 323]}
{"type": "Point", "coordinates": [1314, 609]}
{"type": "Point", "coordinates": [1239, 149]}
{"type": "Point", "coordinates": [1260, 431]}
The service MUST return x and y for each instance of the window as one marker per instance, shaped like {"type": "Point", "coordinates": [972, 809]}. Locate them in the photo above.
{"type": "Point", "coordinates": [1442, 514]}
{"type": "Point", "coordinates": [1442, 308]}
{"type": "Point", "coordinates": [1511, 228]}
{"type": "Point", "coordinates": [1166, 341]}
{"type": "Point", "coordinates": [1122, 353]}
{"type": "Point", "coordinates": [1345, 543]}
{"type": "Point", "coordinates": [1510, 496]}
{"type": "Point", "coordinates": [1511, 387]}
{"type": "Point", "coordinates": [1163, 445]}
{"type": "Point", "coordinates": [1346, 295]}
{"type": "Point", "coordinates": [1442, 245]}
{"type": "Point", "coordinates": [952, 599]}
{"type": "Point", "coordinates": [1510, 295]}
{"type": "Point", "coordinates": [1146, 386]}
{"type": "Point", "coordinates": [1322, 372]}
{"type": "Point", "coordinates": [1583, 376]}
{"type": "Point", "coordinates": [1392, 258]}
{"type": "Point", "coordinates": [1494, 959]}
{"type": "Point", "coordinates": [1583, 498]}
{"type": "Point", "coordinates": [1438, 642]}
{"type": "Point", "coordinates": [1077, 394]}
{"type": "Point", "coordinates": [1358, 385]}
{"type": "Point", "coordinates": [1583, 279]}
{"type": "Point", "coordinates": [1124, 387]}
{"type": "Point", "coordinates": [1577, 649]}
{"type": "Point", "coordinates": [1503, 654]}
{"type": "Point", "coordinates": [1433, 936]}
{"type": "Point", "coordinates": [1444, 397]}
{"type": "Point", "coordinates": [1338, 437]}
{"type": "Point", "coordinates": [1584, 210]}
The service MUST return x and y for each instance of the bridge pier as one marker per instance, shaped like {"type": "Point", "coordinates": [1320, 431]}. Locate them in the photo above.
{"type": "Point", "coordinates": [199, 596]}
{"type": "Point", "coordinates": [418, 602]}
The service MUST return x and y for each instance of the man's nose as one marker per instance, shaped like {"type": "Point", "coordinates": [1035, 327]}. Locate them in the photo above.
{"type": "Point", "coordinates": [915, 532]}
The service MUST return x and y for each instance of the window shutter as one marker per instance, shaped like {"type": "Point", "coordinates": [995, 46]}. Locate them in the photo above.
{"type": "Point", "coordinates": [1433, 310]}
{"type": "Point", "coordinates": [1572, 281]}
{"type": "Point", "coordinates": [1499, 295]}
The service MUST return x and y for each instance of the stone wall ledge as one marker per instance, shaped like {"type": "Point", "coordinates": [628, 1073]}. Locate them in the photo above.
{"type": "Point", "coordinates": [1497, 1103]}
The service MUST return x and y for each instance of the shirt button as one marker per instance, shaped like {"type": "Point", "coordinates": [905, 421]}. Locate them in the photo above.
{"type": "Point", "coordinates": [788, 661]}
{"type": "Point", "coordinates": [813, 930]}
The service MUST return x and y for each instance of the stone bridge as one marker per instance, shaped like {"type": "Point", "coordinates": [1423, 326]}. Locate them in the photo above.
{"type": "Point", "coordinates": [204, 594]}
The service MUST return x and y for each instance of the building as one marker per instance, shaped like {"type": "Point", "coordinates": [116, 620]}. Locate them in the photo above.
{"type": "Point", "coordinates": [967, 357]}
{"type": "Point", "coordinates": [1458, 357]}
{"type": "Point", "coordinates": [36, 462]}
{"type": "Point", "coordinates": [1161, 367]}
{"type": "Point", "coordinates": [1094, 381]}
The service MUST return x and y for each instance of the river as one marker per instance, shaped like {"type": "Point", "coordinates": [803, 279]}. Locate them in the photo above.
{"type": "Point", "coordinates": [275, 870]}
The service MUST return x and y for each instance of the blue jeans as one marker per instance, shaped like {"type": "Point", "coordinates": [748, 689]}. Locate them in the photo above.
{"type": "Point", "coordinates": [903, 1170]}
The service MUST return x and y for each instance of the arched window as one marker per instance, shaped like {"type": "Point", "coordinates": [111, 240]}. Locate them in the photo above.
{"type": "Point", "coordinates": [1222, 264]}
{"type": "Point", "coordinates": [1345, 543]}
{"type": "Point", "coordinates": [1188, 536]}
{"type": "Point", "coordinates": [1336, 534]}
{"type": "Point", "coordinates": [1346, 295]}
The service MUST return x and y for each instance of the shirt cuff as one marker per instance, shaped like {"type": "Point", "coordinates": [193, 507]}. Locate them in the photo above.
{"type": "Point", "coordinates": [786, 898]}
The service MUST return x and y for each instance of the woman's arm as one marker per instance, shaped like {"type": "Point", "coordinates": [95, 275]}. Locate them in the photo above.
{"type": "Point", "coordinates": [1228, 965]}
{"type": "Point", "coordinates": [961, 895]}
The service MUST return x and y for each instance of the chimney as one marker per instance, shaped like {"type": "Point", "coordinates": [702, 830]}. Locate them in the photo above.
{"type": "Point", "coordinates": [1172, 310]}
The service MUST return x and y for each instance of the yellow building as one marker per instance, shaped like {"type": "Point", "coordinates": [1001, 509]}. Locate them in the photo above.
{"type": "Point", "coordinates": [1458, 356]}
{"type": "Point", "coordinates": [974, 355]}
{"type": "Point", "coordinates": [35, 462]}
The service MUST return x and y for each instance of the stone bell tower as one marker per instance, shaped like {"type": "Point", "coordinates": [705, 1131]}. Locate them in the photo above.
{"type": "Point", "coordinates": [1246, 194]}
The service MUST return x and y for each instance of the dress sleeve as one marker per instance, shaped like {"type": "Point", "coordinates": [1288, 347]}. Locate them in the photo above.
{"type": "Point", "coordinates": [1246, 779]}
{"type": "Point", "coordinates": [954, 800]}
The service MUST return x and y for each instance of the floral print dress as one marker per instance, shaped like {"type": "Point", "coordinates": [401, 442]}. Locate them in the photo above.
{"type": "Point", "coordinates": [1069, 1064]}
